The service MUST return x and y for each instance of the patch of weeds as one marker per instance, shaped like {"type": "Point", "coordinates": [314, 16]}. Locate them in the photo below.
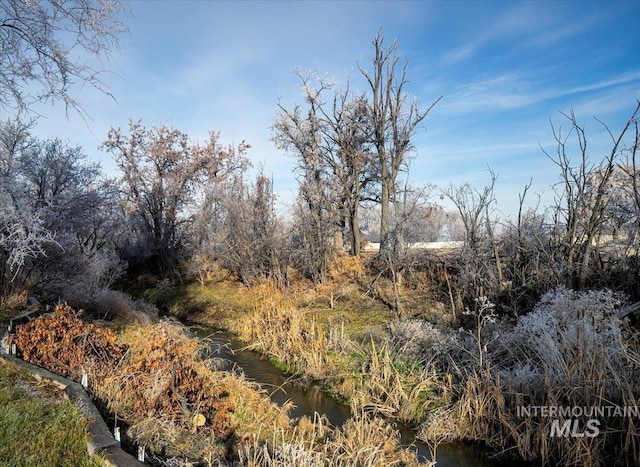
{"type": "Point", "coordinates": [282, 366]}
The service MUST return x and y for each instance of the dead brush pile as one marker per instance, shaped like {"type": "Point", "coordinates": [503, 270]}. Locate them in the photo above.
{"type": "Point", "coordinates": [163, 393]}
{"type": "Point", "coordinates": [64, 344]}
{"type": "Point", "coordinates": [174, 404]}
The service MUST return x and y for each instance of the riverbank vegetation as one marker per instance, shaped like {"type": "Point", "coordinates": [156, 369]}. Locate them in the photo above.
{"type": "Point", "coordinates": [163, 388]}
{"type": "Point", "coordinates": [455, 322]}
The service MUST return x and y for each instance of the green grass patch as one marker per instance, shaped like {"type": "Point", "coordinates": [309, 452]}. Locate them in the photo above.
{"type": "Point", "coordinates": [213, 303]}
{"type": "Point", "coordinates": [281, 365]}
{"type": "Point", "coordinates": [37, 429]}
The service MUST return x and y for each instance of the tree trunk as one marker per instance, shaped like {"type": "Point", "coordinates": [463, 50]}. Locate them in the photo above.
{"type": "Point", "coordinates": [354, 228]}
{"type": "Point", "coordinates": [384, 213]}
{"type": "Point", "coordinates": [338, 241]}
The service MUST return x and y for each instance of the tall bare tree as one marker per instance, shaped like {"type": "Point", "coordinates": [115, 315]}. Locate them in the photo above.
{"type": "Point", "coordinates": [342, 122]}
{"type": "Point", "coordinates": [394, 121]}
{"type": "Point", "coordinates": [302, 132]}
{"type": "Point", "coordinates": [352, 162]}
{"type": "Point", "coordinates": [44, 47]}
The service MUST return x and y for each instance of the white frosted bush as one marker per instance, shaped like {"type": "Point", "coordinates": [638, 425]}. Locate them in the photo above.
{"type": "Point", "coordinates": [418, 339]}
{"type": "Point", "coordinates": [570, 339]}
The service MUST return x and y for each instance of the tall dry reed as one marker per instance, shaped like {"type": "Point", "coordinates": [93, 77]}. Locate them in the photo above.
{"type": "Point", "coordinates": [570, 355]}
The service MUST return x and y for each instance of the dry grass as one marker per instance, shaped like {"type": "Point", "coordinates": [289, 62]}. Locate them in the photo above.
{"type": "Point", "coordinates": [280, 331]}
{"type": "Point", "coordinates": [363, 440]}
{"type": "Point", "coordinates": [120, 308]}
{"type": "Point", "coordinates": [570, 352]}
{"type": "Point", "coordinates": [12, 305]}
{"type": "Point", "coordinates": [392, 388]}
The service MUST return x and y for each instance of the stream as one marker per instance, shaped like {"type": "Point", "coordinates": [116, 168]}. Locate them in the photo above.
{"type": "Point", "coordinates": [283, 388]}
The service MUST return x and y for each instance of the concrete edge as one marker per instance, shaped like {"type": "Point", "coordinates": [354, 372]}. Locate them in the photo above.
{"type": "Point", "coordinates": [100, 441]}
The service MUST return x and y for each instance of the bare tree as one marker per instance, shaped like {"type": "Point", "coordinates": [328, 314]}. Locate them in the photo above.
{"type": "Point", "coordinates": [426, 223]}
{"type": "Point", "coordinates": [473, 206]}
{"type": "Point", "coordinates": [42, 45]}
{"type": "Point", "coordinates": [475, 209]}
{"type": "Point", "coordinates": [79, 205]}
{"type": "Point", "coordinates": [394, 121]}
{"type": "Point", "coordinates": [627, 188]}
{"type": "Point", "coordinates": [352, 163]}
{"type": "Point", "coordinates": [583, 205]}
{"type": "Point", "coordinates": [162, 172]}
{"type": "Point", "coordinates": [302, 134]}
{"type": "Point", "coordinates": [242, 231]}
{"type": "Point", "coordinates": [341, 128]}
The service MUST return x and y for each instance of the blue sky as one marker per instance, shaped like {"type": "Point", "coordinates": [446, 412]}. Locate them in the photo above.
{"type": "Point", "coordinates": [503, 69]}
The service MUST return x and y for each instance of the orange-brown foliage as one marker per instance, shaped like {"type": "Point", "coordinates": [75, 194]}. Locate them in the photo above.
{"type": "Point", "coordinates": [64, 344]}
{"type": "Point", "coordinates": [159, 376]}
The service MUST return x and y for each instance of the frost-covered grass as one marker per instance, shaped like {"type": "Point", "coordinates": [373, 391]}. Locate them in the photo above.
{"type": "Point", "coordinates": [570, 351]}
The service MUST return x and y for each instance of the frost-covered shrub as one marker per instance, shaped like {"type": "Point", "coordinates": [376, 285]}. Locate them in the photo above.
{"type": "Point", "coordinates": [570, 352]}
{"type": "Point", "coordinates": [419, 340]}
{"type": "Point", "coordinates": [570, 339]}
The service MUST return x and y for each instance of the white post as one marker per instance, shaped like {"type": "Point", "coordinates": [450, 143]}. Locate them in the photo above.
{"type": "Point", "coordinates": [85, 379]}
{"type": "Point", "coordinates": [141, 453]}
{"type": "Point", "coordinates": [116, 435]}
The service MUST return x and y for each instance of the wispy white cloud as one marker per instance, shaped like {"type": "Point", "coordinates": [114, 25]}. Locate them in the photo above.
{"type": "Point", "coordinates": [521, 25]}
{"type": "Point", "coordinates": [625, 78]}
{"type": "Point", "coordinates": [490, 94]}
{"type": "Point", "coordinates": [513, 90]}
{"type": "Point", "coordinates": [503, 68]}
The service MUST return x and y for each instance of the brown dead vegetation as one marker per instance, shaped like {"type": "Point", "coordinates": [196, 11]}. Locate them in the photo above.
{"type": "Point", "coordinates": [153, 379]}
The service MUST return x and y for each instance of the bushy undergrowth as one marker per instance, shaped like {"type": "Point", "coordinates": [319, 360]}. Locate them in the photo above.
{"type": "Point", "coordinates": [420, 341]}
{"type": "Point", "coordinates": [570, 351]}
{"type": "Point", "coordinates": [175, 405]}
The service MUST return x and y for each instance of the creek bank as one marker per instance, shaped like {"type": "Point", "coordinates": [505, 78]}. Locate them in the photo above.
{"type": "Point", "coordinates": [100, 441]}
{"type": "Point", "coordinates": [309, 398]}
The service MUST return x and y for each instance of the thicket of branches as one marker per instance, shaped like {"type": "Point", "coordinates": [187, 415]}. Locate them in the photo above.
{"type": "Point", "coordinates": [179, 205]}
{"type": "Point", "coordinates": [585, 239]}
{"type": "Point", "coordinates": [48, 47]}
